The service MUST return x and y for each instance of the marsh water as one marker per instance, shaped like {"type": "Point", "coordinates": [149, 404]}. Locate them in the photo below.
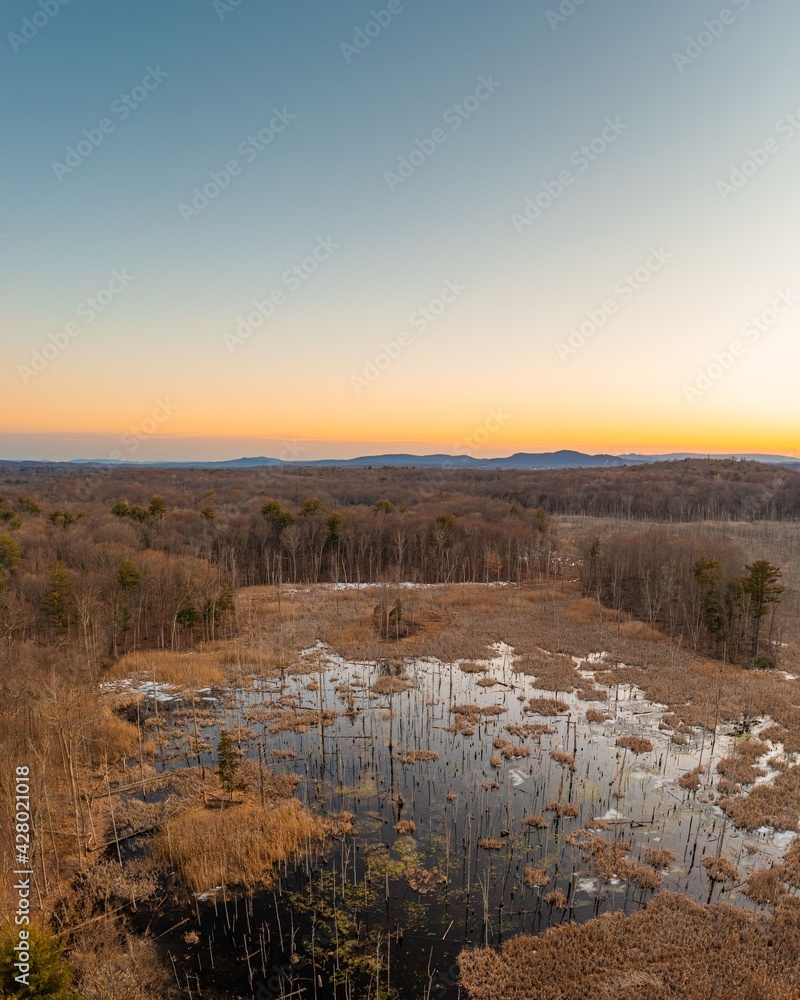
{"type": "Point", "coordinates": [383, 913]}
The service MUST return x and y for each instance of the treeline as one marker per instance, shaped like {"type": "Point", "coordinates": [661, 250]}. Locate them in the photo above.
{"type": "Point", "coordinates": [119, 558]}
{"type": "Point", "coordinates": [690, 490]}
{"type": "Point", "coordinates": [692, 587]}
{"type": "Point", "coordinates": [115, 573]}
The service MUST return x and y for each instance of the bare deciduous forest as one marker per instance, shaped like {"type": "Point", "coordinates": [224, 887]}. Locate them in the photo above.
{"type": "Point", "coordinates": [224, 682]}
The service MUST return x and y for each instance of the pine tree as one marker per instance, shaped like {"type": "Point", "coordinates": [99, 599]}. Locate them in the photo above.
{"type": "Point", "coordinates": [228, 765]}
{"type": "Point", "coordinates": [57, 604]}
{"type": "Point", "coordinates": [157, 508]}
{"type": "Point", "coordinates": [50, 976]}
{"type": "Point", "coordinates": [762, 592]}
{"type": "Point", "coordinates": [278, 518]}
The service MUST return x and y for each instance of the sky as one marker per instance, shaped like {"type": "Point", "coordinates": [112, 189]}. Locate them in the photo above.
{"type": "Point", "coordinates": [324, 229]}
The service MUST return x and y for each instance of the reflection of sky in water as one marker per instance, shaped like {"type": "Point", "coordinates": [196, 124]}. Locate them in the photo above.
{"type": "Point", "coordinates": [461, 798]}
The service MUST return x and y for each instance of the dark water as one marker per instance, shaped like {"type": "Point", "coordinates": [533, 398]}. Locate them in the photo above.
{"type": "Point", "coordinates": [384, 915]}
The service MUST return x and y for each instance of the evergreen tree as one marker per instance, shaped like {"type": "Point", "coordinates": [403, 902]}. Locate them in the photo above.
{"type": "Point", "coordinates": [50, 976]}
{"type": "Point", "coordinates": [58, 596]}
{"type": "Point", "coordinates": [229, 765]}
{"type": "Point", "coordinates": [279, 519]}
{"type": "Point", "coordinates": [157, 508]}
{"type": "Point", "coordinates": [762, 592]}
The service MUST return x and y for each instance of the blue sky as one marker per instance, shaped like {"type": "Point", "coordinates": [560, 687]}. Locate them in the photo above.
{"type": "Point", "coordinates": [691, 102]}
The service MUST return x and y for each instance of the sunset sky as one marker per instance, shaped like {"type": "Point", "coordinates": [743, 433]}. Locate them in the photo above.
{"type": "Point", "coordinates": [471, 227]}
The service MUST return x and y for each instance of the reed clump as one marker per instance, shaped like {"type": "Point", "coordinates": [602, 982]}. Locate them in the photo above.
{"type": "Point", "coordinates": [534, 876]}
{"type": "Point", "coordinates": [672, 948]}
{"type": "Point", "coordinates": [563, 758]}
{"type": "Point", "coordinates": [530, 730]}
{"type": "Point", "coordinates": [766, 886]}
{"type": "Point", "coordinates": [184, 670]}
{"type": "Point", "coordinates": [720, 869]}
{"type": "Point", "coordinates": [636, 744]}
{"type": "Point", "coordinates": [738, 769]}
{"type": "Point", "coordinates": [775, 804]}
{"type": "Point", "coordinates": [569, 809]}
{"type": "Point", "coordinates": [243, 846]}
{"type": "Point", "coordinates": [536, 822]}
{"type": "Point", "coordinates": [413, 756]}
{"type": "Point", "coordinates": [424, 880]}
{"type": "Point", "coordinates": [546, 706]}
{"type": "Point", "coordinates": [389, 684]}
{"type": "Point", "coordinates": [690, 781]}
{"type": "Point", "coordinates": [659, 857]}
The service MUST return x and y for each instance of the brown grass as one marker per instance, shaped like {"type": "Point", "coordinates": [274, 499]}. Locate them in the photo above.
{"type": "Point", "coordinates": [535, 877]}
{"type": "Point", "coordinates": [673, 948]}
{"type": "Point", "coordinates": [243, 846]}
{"type": "Point", "coordinates": [766, 886]}
{"type": "Point", "coordinates": [720, 869]}
{"type": "Point", "coordinates": [537, 822]}
{"type": "Point", "coordinates": [636, 744]}
{"type": "Point", "coordinates": [774, 804]}
{"type": "Point", "coordinates": [659, 857]}
{"type": "Point", "coordinates": [690, 781]}
{"type": "Point", "coordinates": [391, 685]}
{"type": "Point", "coordinates": [184, 670]}
{"type": "Point", "coordinates": [530, 730]}
{"type": "Point", "coordinates": [563, 758]}
{"type": "Point", "coordinates": [546, 706]}
{"type": "Point", "coordinates": [569, 809]}
{"type": "Point", "coordinates": [412, 756]}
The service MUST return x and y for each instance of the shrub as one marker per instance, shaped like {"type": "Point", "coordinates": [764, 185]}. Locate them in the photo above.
{"type": "Point", "coordinates": [50, 975]}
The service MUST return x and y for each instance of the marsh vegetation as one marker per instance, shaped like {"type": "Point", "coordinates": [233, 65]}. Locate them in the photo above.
{"type": "Point", "coordinates": [386, 790]}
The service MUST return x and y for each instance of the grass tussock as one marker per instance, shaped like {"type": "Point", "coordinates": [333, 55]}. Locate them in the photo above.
{"type": "Point", "coordinates": [413, 756]}
{"type": "Point", "coordinates": [536, 822]}
{"type": "Point", "coordinates": [690, 781]}
{"type": "Point", "coordinates": [775, 804]}
{"type": "Point", "coordinates": [546, 706]}
{"type": "Point", "coordinates": [636, 744]}
{"type": "Point", "coordinates": [552, 671]}
{"type": "Point", "coordinates": [243, 846]}
{"type": "Point", "coordinates": [390, 685]}
{"type": "Point", "coordinates": [597, 715]}
{"type": "Point", "coordinates": [184, 670]}
{"type": "Point", "coordinates": [563, 758]}
{"type": "Point", "coordinates": [659, 857]}
{"type": "Point", "coordinates": [534, 876]}
{"type": "Point", "coordinates": [720, 869]}
{"type": "Point", "coordinates": [673, 948]}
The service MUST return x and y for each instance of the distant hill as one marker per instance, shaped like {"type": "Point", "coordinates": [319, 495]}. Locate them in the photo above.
{"type": "Point", "coordinates": [679, 456]}
{"type": "Point", "coordinates": [521, 460]}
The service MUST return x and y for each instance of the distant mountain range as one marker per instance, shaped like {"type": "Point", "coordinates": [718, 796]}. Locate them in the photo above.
{"type": "Point", "coordinates": [564, 459]}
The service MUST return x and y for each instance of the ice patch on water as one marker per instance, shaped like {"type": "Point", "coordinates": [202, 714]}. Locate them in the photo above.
{"type": "Point", "coordinates": [780, 839]}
